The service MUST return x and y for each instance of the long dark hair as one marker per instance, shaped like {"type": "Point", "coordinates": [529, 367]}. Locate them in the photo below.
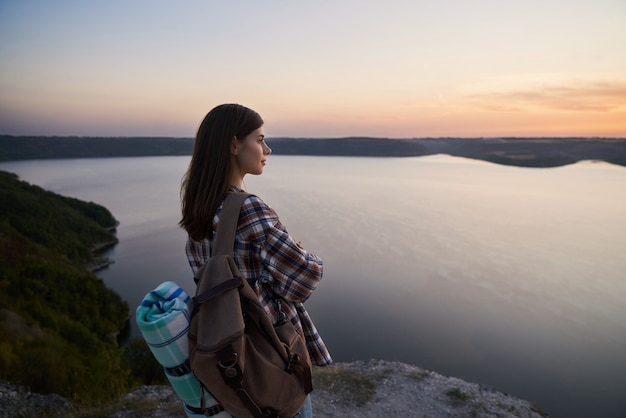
{"type": "Point", "coordinates": [207, 179]}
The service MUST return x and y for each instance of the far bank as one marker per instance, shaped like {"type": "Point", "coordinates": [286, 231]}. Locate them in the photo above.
{"type": "Point", "coordinates": [522, 152]}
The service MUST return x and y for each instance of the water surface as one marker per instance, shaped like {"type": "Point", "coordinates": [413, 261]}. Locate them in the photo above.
{"type": "Point", "coordinates": [512, 277]}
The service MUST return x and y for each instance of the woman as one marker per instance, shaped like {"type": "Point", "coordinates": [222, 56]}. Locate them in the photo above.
{"type": "Point", "coordinates": [230, 143]}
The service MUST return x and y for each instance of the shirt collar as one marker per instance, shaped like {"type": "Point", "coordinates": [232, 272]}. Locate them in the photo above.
{"type": "Point", "coordinates": [235, 189]}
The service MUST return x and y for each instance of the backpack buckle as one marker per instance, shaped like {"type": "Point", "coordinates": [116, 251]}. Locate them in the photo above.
{"type": "Point", "coordinates": [282, 316]}
{"type": "Point", "coordinates": [230, 370]}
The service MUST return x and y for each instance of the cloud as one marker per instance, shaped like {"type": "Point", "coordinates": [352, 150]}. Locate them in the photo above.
{"type": "Point", "coordinates": [599, 96]}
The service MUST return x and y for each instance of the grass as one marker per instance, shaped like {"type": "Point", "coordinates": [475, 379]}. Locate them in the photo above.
{"type": "Point", "coordinates": [420, 375]}
{"type": "Point", "coordinates": [141, 407]}
{"type": "Point", "coordinates": [457, 393]}
{"type": "Point", "coordinates": [347, 384]}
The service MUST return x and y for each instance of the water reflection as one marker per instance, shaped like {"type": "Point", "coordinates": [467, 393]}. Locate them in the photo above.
{"type": "Point", "coordinates": [507, 276]}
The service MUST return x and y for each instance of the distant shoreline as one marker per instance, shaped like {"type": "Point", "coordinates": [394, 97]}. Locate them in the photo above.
{"type": "Point", "coordinates": [516, 151]}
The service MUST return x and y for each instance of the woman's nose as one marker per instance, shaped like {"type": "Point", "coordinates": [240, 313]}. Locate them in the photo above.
{"type": "Point", "coordinates": [267, 150]}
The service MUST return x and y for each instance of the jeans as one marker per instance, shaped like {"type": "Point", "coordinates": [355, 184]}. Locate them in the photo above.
{"type": "Point", "coordinates": [307, 409]}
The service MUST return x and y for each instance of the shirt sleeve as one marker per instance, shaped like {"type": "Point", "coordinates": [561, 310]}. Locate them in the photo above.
{"type": "Point", "coordinates": [293, 272]}
{"type": "Point", "coordinates": [197, 253]}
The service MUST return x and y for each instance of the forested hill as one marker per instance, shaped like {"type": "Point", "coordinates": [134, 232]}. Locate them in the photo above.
{"type": "Point", "coordinates": [527, 152]}
{"type": "Point", "coordinates": [58, 320]}
{"type": "Point", "coordinates": [42, 147]}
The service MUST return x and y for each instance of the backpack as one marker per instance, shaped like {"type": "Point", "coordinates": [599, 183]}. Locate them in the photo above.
{"type": "Point", "coordinates": [252, 367]}
{"type": "Point", "coordinates": [163, 319]}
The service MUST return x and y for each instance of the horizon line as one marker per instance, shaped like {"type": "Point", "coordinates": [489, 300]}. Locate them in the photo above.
{"type": "Point", "coordinates": [320, 137]}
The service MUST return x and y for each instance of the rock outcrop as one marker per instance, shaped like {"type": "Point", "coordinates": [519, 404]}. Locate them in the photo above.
{"type": "Point", "coordinates": [359, 389]}
{"type": "Point", "coordinates": [16, 401]}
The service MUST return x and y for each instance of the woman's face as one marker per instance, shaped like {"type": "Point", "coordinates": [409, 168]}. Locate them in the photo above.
{"type": "Point", "coordinates": [251, 153]}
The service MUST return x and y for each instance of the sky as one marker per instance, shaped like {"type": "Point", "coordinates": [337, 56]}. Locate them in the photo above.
{"type": "Point", "coordinates": [325, 68]}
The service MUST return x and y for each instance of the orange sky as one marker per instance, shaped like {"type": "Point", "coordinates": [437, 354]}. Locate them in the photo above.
{"type": "Point", "coordinates": [316, 69]}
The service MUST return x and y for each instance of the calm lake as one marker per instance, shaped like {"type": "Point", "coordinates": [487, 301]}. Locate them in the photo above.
{"type": "Point", "coordinates": [512, 277]}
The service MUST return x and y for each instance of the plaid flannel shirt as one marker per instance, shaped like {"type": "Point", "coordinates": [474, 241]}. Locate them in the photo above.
{"type": "Point", "coordinates": [278, 268]}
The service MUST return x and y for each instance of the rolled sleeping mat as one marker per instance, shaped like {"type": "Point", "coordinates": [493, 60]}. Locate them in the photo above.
{"type": "Point", "coordinates": [163, 318]}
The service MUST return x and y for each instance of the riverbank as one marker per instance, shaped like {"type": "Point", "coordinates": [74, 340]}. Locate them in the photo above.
{"type": "Point", "coordinates": [360, 389]}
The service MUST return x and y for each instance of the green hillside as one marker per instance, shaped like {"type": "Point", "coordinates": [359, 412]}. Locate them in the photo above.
{"type": "Point", "coordinates": [58, 320]}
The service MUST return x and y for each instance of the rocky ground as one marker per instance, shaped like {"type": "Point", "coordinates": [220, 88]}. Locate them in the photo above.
{"type": "Point", "coordinates": [359, 389]}
{"type": "Point", "coordinates": [402, 390]}
{"type": "Point", "coordinates": [18, 401]}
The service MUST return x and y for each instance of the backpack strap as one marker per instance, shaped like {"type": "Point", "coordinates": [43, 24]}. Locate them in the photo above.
{"type": "Point", "coordinates": [226, 229]}
{"type": "Point", "coordinates": [227, 225]}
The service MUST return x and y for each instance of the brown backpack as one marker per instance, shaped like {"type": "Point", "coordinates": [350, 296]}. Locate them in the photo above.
{"type": "Point", "coordinates": [252, 367]}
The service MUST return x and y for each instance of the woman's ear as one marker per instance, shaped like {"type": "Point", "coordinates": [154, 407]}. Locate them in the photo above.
{"type": "Point", "coordinates": [234, 146]}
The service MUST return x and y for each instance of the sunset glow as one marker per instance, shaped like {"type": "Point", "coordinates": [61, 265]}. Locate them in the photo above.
{"type": "Point", "coordinates": [315, 69]}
